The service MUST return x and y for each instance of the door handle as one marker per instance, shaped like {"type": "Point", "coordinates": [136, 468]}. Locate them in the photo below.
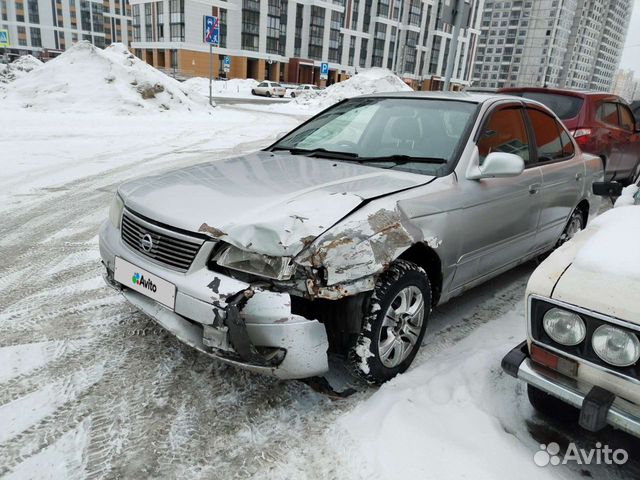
{"type": "Point", "coordinates": [579, 176]}
{"type": "Point", "coordinates": [534, 188]}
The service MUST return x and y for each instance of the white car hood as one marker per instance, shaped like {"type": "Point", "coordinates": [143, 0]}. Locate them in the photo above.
{"type": "Point", "coordinates": [272, 203]}
{"type": "Point", "coordinates": [604, 273]}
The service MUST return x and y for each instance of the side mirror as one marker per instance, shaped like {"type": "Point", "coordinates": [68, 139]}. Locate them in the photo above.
{"type": "Point", "coordinates": [498, 165]}
{"type": "Point", "coordinates": [607, 189]}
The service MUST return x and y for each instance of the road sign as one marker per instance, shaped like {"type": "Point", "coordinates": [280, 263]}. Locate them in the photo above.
{"type": "Point", "coordinates": [4, 38]}
{"type": "Point", "coordinates": [211, 30]}
{"type": "Point", "coordinates": [226, 64]}
{"type": "Point", "coordinates": [324, 71]}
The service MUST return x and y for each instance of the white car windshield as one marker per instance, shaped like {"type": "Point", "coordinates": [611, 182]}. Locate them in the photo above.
{"type": "Point", "coordinates": [403, 133]}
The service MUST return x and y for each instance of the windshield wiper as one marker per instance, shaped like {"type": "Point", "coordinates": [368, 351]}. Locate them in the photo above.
{"type": "Point", "coordinates": [319, 152]}
{"type": "Point", "coordinates": [402, 159]}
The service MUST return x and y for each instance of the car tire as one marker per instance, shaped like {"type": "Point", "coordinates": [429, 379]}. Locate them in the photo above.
{"type": "Point", "coordinates": [574, 225]}
{"type": "Point", "coordinates": [268, 93]}
{"type": "Point", "coordinates": [394, 323]}
{"type": "Point", "coordinates": [253, 92]}
{"type": "Point", "coordinates": [551, 406]}
{"type": "Point", "coordinates": [293, 95]}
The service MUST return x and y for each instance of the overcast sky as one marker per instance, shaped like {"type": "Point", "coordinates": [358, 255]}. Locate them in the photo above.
{"type": "Point", "coordinates": [631, 52]}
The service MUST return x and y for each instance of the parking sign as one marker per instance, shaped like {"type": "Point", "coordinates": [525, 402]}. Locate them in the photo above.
{"type": "Point", "coordinates": [4, 38]}
{"type": "Point", "coordinates": [211, 30]}
{"type": "Point", "coordinates": [324, 71]}
{"type": "Point", "coordinates": [226, 63]}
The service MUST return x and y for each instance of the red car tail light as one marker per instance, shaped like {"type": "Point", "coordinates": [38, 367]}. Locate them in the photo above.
{"type": "Point", "coordinates": [581, 135]}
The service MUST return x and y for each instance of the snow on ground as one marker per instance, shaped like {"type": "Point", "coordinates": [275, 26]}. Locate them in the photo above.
{"type": "Point", "coordinates": [19, 68]}
{"type": "Point", "coordinates": [236, 87]}
{"type": "Point", "coordinates": [88, 79]}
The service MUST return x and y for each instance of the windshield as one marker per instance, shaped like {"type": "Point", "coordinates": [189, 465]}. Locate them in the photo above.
{"type": "Point", "coordinates": [406, 133]}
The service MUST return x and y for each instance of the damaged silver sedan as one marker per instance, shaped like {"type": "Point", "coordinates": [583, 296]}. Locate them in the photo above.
{"type": "Point", "coordinates": [343, 235]}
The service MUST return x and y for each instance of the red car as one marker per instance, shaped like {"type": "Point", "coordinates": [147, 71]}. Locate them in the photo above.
{"type": "Point", "coordinates": [601, 123]}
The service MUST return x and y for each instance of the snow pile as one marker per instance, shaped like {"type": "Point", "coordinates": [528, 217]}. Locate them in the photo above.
{"type": "Point", "coordinates": [236, 87]}
{"type": "Point", "coordinates": [613, 248]}
{"type": "Point", "coordinates": [627, 197]}
{"type": "Point", "coordinates": [457, 415]}
{"type": "Point", "coordinates": [19, 68]}
{"type": "Point", "coordinates": [373, 80]}
{"type": "Point", "coordinates": [86, 79]}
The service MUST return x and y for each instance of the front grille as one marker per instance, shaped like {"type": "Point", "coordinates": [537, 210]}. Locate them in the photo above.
{"type": "Point", "coordinates": [168, 248]}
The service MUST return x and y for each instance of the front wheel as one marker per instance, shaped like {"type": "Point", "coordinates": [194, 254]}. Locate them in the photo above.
{"type": "Point", "coordinates": [574, 225]}
{"type": "Point", "coordinates": [268, 93]}
{"type": "Point", "coordinates": [293, 95]}
{"type": "Point", "coordinates": [394, 323]}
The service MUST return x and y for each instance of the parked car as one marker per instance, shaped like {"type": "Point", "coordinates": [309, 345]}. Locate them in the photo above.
{"type": "Point", "coordinates": [305, 90]}
{"type": "Point", "coordinates": [581, 356]}
{"type": "Point", "coordinates": [602, 124]}
{"type": "Point", "coordinates": [346, 232]}
{"type": "Point", "coordinates": [269, 89]}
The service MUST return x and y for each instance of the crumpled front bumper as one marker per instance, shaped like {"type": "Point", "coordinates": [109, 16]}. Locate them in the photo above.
{"type": "Point", "coordinates": [297, 346]}
{"type": "Point", "coordinates": [621, 414]}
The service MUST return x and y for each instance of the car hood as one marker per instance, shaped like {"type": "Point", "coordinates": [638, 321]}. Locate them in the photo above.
{"type": "Point", "coordinates": [604, 273]}
{"type": "Point", "coordinates": [268, 202]}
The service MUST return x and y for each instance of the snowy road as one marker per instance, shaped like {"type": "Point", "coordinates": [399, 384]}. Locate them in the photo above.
{"type": "Point", "coordinates": [91, 388]}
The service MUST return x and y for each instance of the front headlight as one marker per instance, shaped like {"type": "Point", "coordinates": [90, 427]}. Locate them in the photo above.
{"type": "Point", "coordinates": [115, 211]}
{"type": "Point", "coordinates": [277, 268]}
{"type": "Point", "coordinates": [565, 327]}
{"type": "Point", "coordinates": [616, 346]}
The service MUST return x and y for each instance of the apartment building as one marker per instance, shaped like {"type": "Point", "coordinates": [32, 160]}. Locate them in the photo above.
{"type": "Point", "coordinates": [287, 40]}
{"type": "Point", "coordinates": [45, 28]}
{"type": "Point", "coordinates": [557, 43]}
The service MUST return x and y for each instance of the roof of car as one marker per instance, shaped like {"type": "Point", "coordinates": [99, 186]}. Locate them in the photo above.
{"type": "Point", "coordinates": [474, 97]}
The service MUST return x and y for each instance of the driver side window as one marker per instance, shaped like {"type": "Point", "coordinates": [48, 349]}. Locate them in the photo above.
{"type": "Point", "coordinates": [505, 131]}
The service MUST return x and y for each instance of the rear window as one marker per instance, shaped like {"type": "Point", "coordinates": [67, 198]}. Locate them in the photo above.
{"type": "Point", "coordinates": [564, 106]}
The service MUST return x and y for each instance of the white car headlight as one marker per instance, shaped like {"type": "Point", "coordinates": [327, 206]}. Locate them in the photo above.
{"type": "Point", "coordinates": [565, 327]}
{"type": "Point", "coordinates": [616, 346]}
{"type": "Point", "coordinates": [277, 268]}
{"type": "Point", "coordinates": [115, 211]}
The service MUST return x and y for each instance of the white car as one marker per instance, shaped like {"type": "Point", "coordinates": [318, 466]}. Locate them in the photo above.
{"type": "Point", "coordinates": [581, 356]}
{"type": "Point", "coordinates": [305, 90]}
{"type": "Point", "coordinates": [269, 89]}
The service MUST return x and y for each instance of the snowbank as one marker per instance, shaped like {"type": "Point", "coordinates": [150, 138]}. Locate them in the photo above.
{"type": "Point", "coordinates": [613, 248]}
{"type": "Point", "coordinates": [236, 87]}
{"type": "Point", "coordinates": [19, 68]}
{"type": "Point", "coordinates": [86, 79]}
{"type": "Point", "coordinates": [373, 80]}
{"type": "Point", "coordinates": [627, 197]}
{"type": "Point", "coordinates": [457, 415]}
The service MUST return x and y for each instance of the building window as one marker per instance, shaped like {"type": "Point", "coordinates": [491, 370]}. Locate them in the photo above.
{"type": "Point", "coordinates": [36, 39]}
{"type": "Point", "coordinates": [250, 24]}
{"type": "Point", "coordinates": [136, 22]}
{"type": "Point", "coordinates": [297, 41]}
{"type": "Point", "coordinates": [383, 8]}
{"type": "Point", "coordinates": [148, 25]}
{"type": "Point", "coordinates": [316, 32]}
{"type": "Point", "coordinates": [223, 27]}
{"type": "Point", "coordinates": [415, 13]}
{"type": "Point", "coordinates": [363, 52]}
{"type": "Point", "coordinates": [354, 15]}
{"type": "Point", "coordinates": [352, 49]}
{"type": "Point", "coordinates": [378, 44]}
{"type": "Point", "coordinates": [335, 37]}
{"type": "Point", "coordinates": [273, 26]}
{"type": "Point", "coordinates": [366, 22]}
{"type": "Point", "coordinates": [176, 20]}
{"type": "Point", "coordinates": [22, 36]}
{"type": "Point", "coordinates": [284, 5]}
{"type": "Point", "coordinates": [97, 15]}
{"type": "Point", "coordinates": [34, 14]}
{"type": "Point", "coordinates": [435, 55]}
{"type": "Point", "coordinates": [392, 48]}
{"type": "Point", "coordinates": [85, 16]}
{"type": "Point", "coordinates": [160, 20]}
{"type": "Point", "coordinates": [410, 52]}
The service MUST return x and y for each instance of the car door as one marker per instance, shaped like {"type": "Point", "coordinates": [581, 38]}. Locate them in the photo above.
{"type": "Point", "coordinates": [610, 137]}
{"type": "Point", "coordinates": [262, 88]}
{"type": "Point", "coordinates": [562, 175]}
{"type": "Point", "coordinates": [630, 142]}
{"type": "Point", "coordinates": [500, 217]}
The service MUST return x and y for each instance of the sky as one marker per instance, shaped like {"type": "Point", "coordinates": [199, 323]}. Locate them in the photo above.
{"type": "Point", "coordinates": [631, 53]}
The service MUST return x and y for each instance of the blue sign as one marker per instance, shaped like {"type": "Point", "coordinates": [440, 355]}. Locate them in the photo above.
{"type": "Point", "coordinates": [324, 69]}
{"type": "Point", "coordinates": [211, 30]}
{"type": "Point", "coordinates": [4, 38]}
{"type": "Point", "coordinates": [227, 61]}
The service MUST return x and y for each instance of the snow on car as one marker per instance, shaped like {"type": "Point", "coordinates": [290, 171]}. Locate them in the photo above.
{"type": "Point", "coordinates": [344, 234]}
{"type": "Point", "coordinates": [582, 352]}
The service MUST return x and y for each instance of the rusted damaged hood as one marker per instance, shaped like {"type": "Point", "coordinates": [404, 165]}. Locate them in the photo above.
{"type": "Point", "coordinates": [271, 203]}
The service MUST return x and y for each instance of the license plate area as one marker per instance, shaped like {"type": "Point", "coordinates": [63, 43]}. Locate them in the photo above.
{"type": "Point", "coordinates": [144, 282]}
